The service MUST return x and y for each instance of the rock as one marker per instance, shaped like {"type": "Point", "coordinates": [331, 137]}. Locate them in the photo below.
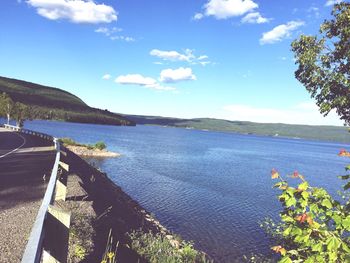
{"type": "Point", "coordinates": [84, 151]}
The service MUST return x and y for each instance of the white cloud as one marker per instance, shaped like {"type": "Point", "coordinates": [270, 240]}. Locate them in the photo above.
{"type": "Point", "coordinates": [175, 75]}
{"type": "Point", "coordinates": [202, 57]}
{"type": "Point", "coordinates": [332, 2]}
{"type": "Point", "coordinates": [204, 63]}
{"type": "Point", "coordinates": [76, 11]}
{"type": "Point", "coordinates": [254, 18]}
{"type": "Point", "coordinates": [124, 38]}
{"type": "Point", "coordinates": [280, 32]}
{"type": "Point", "coordinates": [135, 79]}
{"type": "Point", "coordinates": [106, 76]}
{"type": "Point", "coordinates": [139, 80]}
{"type": "Point", "coordinates": [112, 34]}
{"type": "Point", "coordinates": [108, 31]}
{"type": "Point", "coordinates": [172, 55]}
{"type": "Point", "coordinates": [175, 56]}
{"type": "Point", "coordinates": [223, 9]}
{"type": "Point", "coordinates": [198, 16]}
{"type": "Point", "coordinates": [302, 113]}
{"type": "Point", "coordinates": [314, 10]}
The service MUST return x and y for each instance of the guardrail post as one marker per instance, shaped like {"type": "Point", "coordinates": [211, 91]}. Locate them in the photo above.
{"type": "Point", "coordinates": [64, 166]}
{"type": "Point", "coordinates": [61, 191]}
{"type": "Point", "coordinates": [56, 235]}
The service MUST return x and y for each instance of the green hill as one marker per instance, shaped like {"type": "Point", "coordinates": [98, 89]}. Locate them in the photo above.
{"type": "Point", "coordinates": [52, 103]}
{"type": "Point", "coordinates": [328, 133]}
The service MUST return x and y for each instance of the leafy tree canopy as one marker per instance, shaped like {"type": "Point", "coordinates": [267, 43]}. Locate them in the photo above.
{"type": "Point", "coordinates": [16, 110]}
{"type": "Point", "coordinates": [324, 63]}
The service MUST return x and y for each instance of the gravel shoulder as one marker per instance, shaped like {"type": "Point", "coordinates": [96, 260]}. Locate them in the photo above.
{"type": "Point", "coordinates": [22, 188]}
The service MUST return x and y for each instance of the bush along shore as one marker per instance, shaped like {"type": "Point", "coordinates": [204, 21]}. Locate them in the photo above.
{"type": "Point", "coordinates": [96, 150]}
{"type": "Point", "coordinates": [108, 226]}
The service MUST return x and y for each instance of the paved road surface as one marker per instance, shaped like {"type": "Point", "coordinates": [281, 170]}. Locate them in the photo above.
{"type": "Point", "coordinates": [24, 159]}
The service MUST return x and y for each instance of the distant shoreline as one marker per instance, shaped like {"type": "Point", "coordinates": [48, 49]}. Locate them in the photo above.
{"type": "Point", "coordinates": [257, 134]}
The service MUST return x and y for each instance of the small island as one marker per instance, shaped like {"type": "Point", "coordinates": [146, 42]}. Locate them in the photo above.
{"type": "Point", "coordinates": [88, 150]}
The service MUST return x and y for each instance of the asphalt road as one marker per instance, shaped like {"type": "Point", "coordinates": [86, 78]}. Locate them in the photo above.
{"type": "Point", "coordinates": [24, 160]}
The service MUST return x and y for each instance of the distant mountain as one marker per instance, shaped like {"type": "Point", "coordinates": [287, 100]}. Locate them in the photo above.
{"type": "Point", "coordinates": [52, 103]}
{"type": "Point", "coordinates": [56, 104]}
{"type": "Point", "coordinates": [328, 133]}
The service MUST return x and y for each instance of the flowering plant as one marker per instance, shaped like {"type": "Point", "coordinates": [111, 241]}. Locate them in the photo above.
{"type": "Point", "coordinates": [314, 227]}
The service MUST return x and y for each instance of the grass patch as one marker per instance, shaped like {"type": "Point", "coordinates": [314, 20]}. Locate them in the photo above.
{"type": "Point", "coordinates": [158, 248]}
{"type": "Point", "coordinates": [70, 142]}
{"type": "Point", "coordinates": [81, 234]}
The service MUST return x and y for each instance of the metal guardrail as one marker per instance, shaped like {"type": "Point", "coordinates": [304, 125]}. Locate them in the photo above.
{"type": "Point", "coordinates": [30, 132]}
{"type": "Point", "coordinates": [34, 249]}
{"type": "Point", "coordinates": [34, 246]}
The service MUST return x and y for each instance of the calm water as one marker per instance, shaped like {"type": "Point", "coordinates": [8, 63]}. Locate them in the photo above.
{"type": "Point", "coordinates": [210, 187]}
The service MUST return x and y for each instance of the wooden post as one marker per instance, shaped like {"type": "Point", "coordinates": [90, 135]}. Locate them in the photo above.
{"type": "Point", "coordinates": [61, 191]}
{"type": "Point", "coordinates": [56, 235]}
{"type": "Point", "coordinates": [64, 166]}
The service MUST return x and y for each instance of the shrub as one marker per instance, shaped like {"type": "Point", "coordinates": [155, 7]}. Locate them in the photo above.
{"type": "Point", "coordinates": [158, 248]}
{"type": "Point", "coordinates": [100, 145]}
{"type": "Point", "coordinates": [314, 227]}
{"type": "Point", "coordinates": [68, 141]}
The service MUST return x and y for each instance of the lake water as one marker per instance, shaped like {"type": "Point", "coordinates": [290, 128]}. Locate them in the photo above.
{"type": "Point", "coordinates": [209, 187]}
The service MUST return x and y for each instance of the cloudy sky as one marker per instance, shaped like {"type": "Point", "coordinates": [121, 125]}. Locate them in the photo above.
{"type": "Point", "coordinates": [226, 59]}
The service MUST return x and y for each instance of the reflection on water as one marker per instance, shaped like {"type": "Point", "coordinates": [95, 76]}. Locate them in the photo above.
{"type": "Point", "coordinates": [209, 187]}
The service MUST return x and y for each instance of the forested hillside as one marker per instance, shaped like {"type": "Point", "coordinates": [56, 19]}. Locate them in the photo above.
{"type": "Point", "coordinates": [56, 104]}
{"type": "Point", "coordinates": [329, 133]}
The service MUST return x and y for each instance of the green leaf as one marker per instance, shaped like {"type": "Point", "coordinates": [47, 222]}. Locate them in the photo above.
{"type": "Point", "coordinates": [305, 195]}
{"type": "Point", "coordinates": [290, 202]}
{"type": "Point", "coordinates": [346, 223]}
{"type": "Point", "coordinates": [345, 247]}
{"type": "Point", "coordinates": [314, 208]}
{"type": "Point", "coordinates": [347, 168]}
{"type": "Point", "coordinates": [293, 252]}
{"type": "Point", "coordinates": [290, 191]}
{"type": "Point", "coordinates": [286, 232]}
{"type": "Point", "coordinates": [296, 231]}
{"type": "Point", "coordinates": [299, 239]}
{"type": "Point", "coordinates": [303, 186]}
{"type": "Point", "coordinates": [303, 203]}
{"type": "Point", "coordinates": [317, 247]}
{"type": "Point", "coordinates": [344, 177]}
{"type": "Point", "coordinates": [309, 260]}
{"type": "Point", "coordinates": [320, 259]}
{"type": "Point", "coordinates": [277, 184]}
{"type": "Point", "coordinates": [347, 186]}
{"type": "Point", "coordinates": [333, 256]}
{"type": "Point", "coordinates": [287, 219]}
{"type": "Point", "coordinates": [333, 244]}
{"type": "Point", "coordinates": [285, 259]}
{"type": "Point", "coordinates": [337, 219]}
{"type": "Point", "coordinates": [326, 203]}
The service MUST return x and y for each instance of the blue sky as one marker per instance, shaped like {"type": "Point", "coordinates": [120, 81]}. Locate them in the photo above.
{"type": "Point", "coordinates": [226, 59]}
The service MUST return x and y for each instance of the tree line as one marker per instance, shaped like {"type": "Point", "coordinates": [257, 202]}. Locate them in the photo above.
{"type": "Point", "coordinates": [20, 112]}
{"type": "Point", "coordinates": [14, 110]}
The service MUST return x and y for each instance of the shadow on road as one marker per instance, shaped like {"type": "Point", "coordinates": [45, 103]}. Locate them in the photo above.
{"type": "Point", "coordinates": [22, 177]}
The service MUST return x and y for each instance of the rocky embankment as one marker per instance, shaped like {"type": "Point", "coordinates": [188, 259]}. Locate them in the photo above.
{"type": "Point", "coordinates": [98, 206]}
{"type": "Point", "coordinates": [85, 151]}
